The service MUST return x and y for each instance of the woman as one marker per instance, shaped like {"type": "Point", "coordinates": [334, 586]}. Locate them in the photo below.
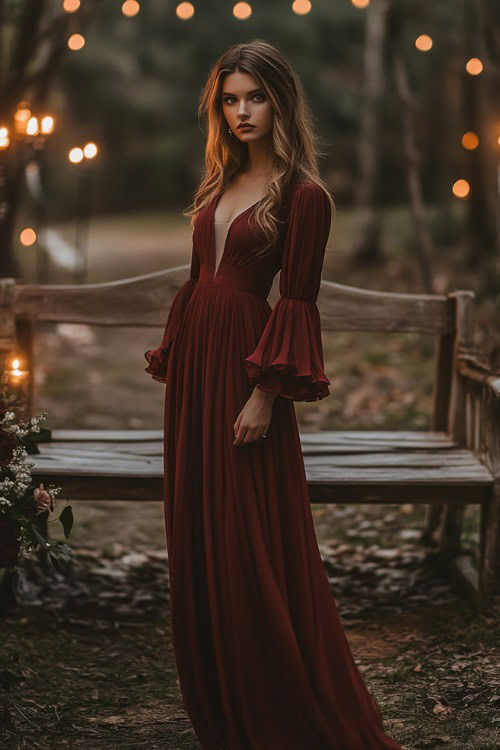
{"type": "Point", "coordinates": [262, 657]}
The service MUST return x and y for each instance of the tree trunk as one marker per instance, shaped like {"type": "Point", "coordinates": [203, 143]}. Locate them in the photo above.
{"type": "Point", "coordinates": [366, 243]}
{"type": "Point", "coordinates": [424, 244]}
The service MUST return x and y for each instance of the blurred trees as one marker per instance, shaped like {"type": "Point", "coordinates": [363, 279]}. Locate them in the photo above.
{"type": "Point", "coordinates": [33, 40]}
{"type": "Point", "coordinates": [135, 85]}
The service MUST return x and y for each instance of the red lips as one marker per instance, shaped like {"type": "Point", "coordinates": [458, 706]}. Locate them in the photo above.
{"type": "Point", "coordinates": [245, 125]}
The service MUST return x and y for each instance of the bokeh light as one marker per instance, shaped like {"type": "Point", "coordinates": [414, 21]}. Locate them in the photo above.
{"type": "Point", "coordinates": [461, 188]}
{"type": "Point", "coordinates": [32, 127]}
{"type": "Point", "coordinates": [76, 41]}
{"type": "Point", "coordinates": [301, 7]}
{"type": "Point", "coordinates": [130, 8]}
{"type": "Point", "coordinates": [27, 236]}
{"type": "Point", "coordinates": [470, 140]}
{"type": "Point", "coordinates": [90, 150]}
{"type": "Point", "coordinates": [242, 11]}
{"type": "Point", "coordinates": [47, 124]}
{"type": "Point", "coordinates": [70, 6]}
{"type": "Point", "coordinates": [474, 66]}
{"type": "Point", "coordinates": [75, 155]}
{"type": "Point", "coordinates": [185, 11]}
{"type": "Point", "coordinates": [423, 43]}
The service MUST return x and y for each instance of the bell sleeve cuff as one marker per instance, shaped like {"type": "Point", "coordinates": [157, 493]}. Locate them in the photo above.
{"type": "Point", "coordinates": [158, 358]}
{"type": "Point", "coordinates": [288, 360]}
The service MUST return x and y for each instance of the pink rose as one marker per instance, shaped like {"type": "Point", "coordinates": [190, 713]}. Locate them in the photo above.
{"type": "Point", "coordinates": [42, 498]}
{"type": "Point", "coordinates": [9, 545]}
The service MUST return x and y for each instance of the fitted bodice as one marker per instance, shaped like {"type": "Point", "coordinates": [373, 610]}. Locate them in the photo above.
{"type": "Point", "coordinates": [227, 252]}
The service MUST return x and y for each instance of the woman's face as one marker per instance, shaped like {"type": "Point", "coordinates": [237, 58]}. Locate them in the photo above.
{"type": "Point", "coordinates": [244, 101]}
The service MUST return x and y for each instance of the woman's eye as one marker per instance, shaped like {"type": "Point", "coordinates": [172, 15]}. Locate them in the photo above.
{"type": "Point", "coordinates": [227, 98]}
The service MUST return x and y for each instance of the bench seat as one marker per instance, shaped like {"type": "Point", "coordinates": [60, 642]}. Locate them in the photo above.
{"type": "Point", "coordinates": [341, 466]}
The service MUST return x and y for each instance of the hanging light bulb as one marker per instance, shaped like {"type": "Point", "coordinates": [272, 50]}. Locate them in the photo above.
{"type": "Point", "coordinates": [242, 11]}
{"type": "Point", "coordinates": [32, 127]}
{"type": "Point", "coordinates": [90, 150]}
{"type": "Point", "coordinates": [47, 124]}
{"type": "Point", "coordinates": [75, 155]}
{"type": "Point", "coordinates": [301, 7]}
{"type": "Point", "coordinates": [185, 11]}
{"type": "Point", "coordinates": [130, 8]}
{"type": "Point", "coordinates": [470, 140]}
{"type": "Point", "coordinates": [474, 66]}
{"type": "Point", "coordinates": [76, 41]}
{"type": "Point", "coordinates": [27, 236]}
{"type": "Point", "coordinates": [423, 42]}
{"type": "Point", "coordinates": [461, 189]}
{"type": "Point", "coordinates": [70, 6]}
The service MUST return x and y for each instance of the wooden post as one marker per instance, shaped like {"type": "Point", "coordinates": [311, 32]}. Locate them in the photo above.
{"type": "Point", "coordinates": [451, 522]}
{"type": "Point", "coordinates": [7, 316]}
{"type": "Point", "coordinates": [441, 395]}
{"type": "Point", "coordinates": [489, 550]}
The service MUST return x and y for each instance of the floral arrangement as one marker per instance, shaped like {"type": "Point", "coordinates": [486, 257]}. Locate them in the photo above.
{"type": "Point", "coordinates": [25, 508]}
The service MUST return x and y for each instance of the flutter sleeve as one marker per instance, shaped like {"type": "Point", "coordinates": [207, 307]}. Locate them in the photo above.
{"type": "Point", "coordinates": [288, 359]}
{"type": "Point", "coordinates": [158, 358]}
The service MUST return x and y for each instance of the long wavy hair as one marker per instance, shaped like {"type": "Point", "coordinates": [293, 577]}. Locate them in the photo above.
{"type": "Point", "coordinates": [296, 144]}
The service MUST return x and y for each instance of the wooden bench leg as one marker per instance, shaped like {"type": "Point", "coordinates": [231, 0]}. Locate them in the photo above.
{"type": "Point", "coordinates": [451, 530]}
{"type": "Point", "coordinates": [433, 514]}
{"type": "Point", "coordinates": [489, 550]}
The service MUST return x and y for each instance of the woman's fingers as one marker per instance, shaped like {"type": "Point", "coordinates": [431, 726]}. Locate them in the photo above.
{"type": "Point", "coordinates": [240, 434]}
{"type": "Point", "coordinates": [237, 424]}
{"type": "Point", "coordinates": [248, 435]}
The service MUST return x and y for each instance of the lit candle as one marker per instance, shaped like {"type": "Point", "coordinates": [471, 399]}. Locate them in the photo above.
{"type": "Point", "coordinates": [17, 376]}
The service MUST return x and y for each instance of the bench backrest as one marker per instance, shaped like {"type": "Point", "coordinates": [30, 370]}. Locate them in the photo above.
{"type": "Point", "coordinates": [145, 301]}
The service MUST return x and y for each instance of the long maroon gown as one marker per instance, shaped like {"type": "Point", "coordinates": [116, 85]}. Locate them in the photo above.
{"type": "Point", "coordinates": [262, 658]}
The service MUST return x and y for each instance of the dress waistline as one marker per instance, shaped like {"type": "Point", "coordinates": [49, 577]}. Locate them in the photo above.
{"type": "Point", "coordinates": [237, 278]}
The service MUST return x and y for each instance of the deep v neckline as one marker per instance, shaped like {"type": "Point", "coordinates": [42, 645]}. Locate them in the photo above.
{"type": "Point", "coordinates": [231, 224]}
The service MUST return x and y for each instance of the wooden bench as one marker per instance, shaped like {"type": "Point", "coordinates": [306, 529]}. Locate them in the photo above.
{"type": "Point", "coordinates": [455, 463]}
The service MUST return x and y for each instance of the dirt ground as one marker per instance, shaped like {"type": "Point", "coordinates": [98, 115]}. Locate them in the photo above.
{"type": "Point", "coordinates": [92, 652]}
{"type": "Point", "coordinates": [93, 657]}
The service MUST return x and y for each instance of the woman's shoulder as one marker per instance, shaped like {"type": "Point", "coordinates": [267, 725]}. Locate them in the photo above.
{"type": "Point", "coordinates": [306, 197]}
{"type": "Point", "coordinates": [307, 189]}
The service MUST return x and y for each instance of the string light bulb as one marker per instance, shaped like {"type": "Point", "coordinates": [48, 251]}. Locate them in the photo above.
{"type": "Point", "coordinates": [32, 127]}
{"type": "Point", "coordinates": [461, 188]}
{"type": "Point", "coordinates": [185, 11]}
{"type": "Point", "coordinates": [470, 140]}
{"type": "Point", "coordinates": [71, 6]}
{"type": "Point", "coordinates": [76, 41]}
{"type": "Point", "coordinates": [474, 66]}
{"type": "Point", "coordinates": [27, 237]}
{"type": "Point", "coordinates": [90, 150]}
{"type": "Point", "coordinates": [242, 11]}
{"type": "Point", "coordinates": [75, 155]}
{"type": "Point", "coordinates": [130, 8]}
{"type": "Point", "coordinates": [301, 7]}
{"type": "Point", "coordinates": [47, 125]}
{"type": "Point", "coordinates": [423, 42]}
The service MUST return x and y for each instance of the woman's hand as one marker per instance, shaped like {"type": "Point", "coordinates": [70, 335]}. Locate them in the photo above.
{"type": "Point", "coordinates": [255, 417]}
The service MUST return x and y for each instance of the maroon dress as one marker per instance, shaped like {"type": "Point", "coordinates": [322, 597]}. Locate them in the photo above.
{"type": "Point", "coordinates": [262, 658]}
